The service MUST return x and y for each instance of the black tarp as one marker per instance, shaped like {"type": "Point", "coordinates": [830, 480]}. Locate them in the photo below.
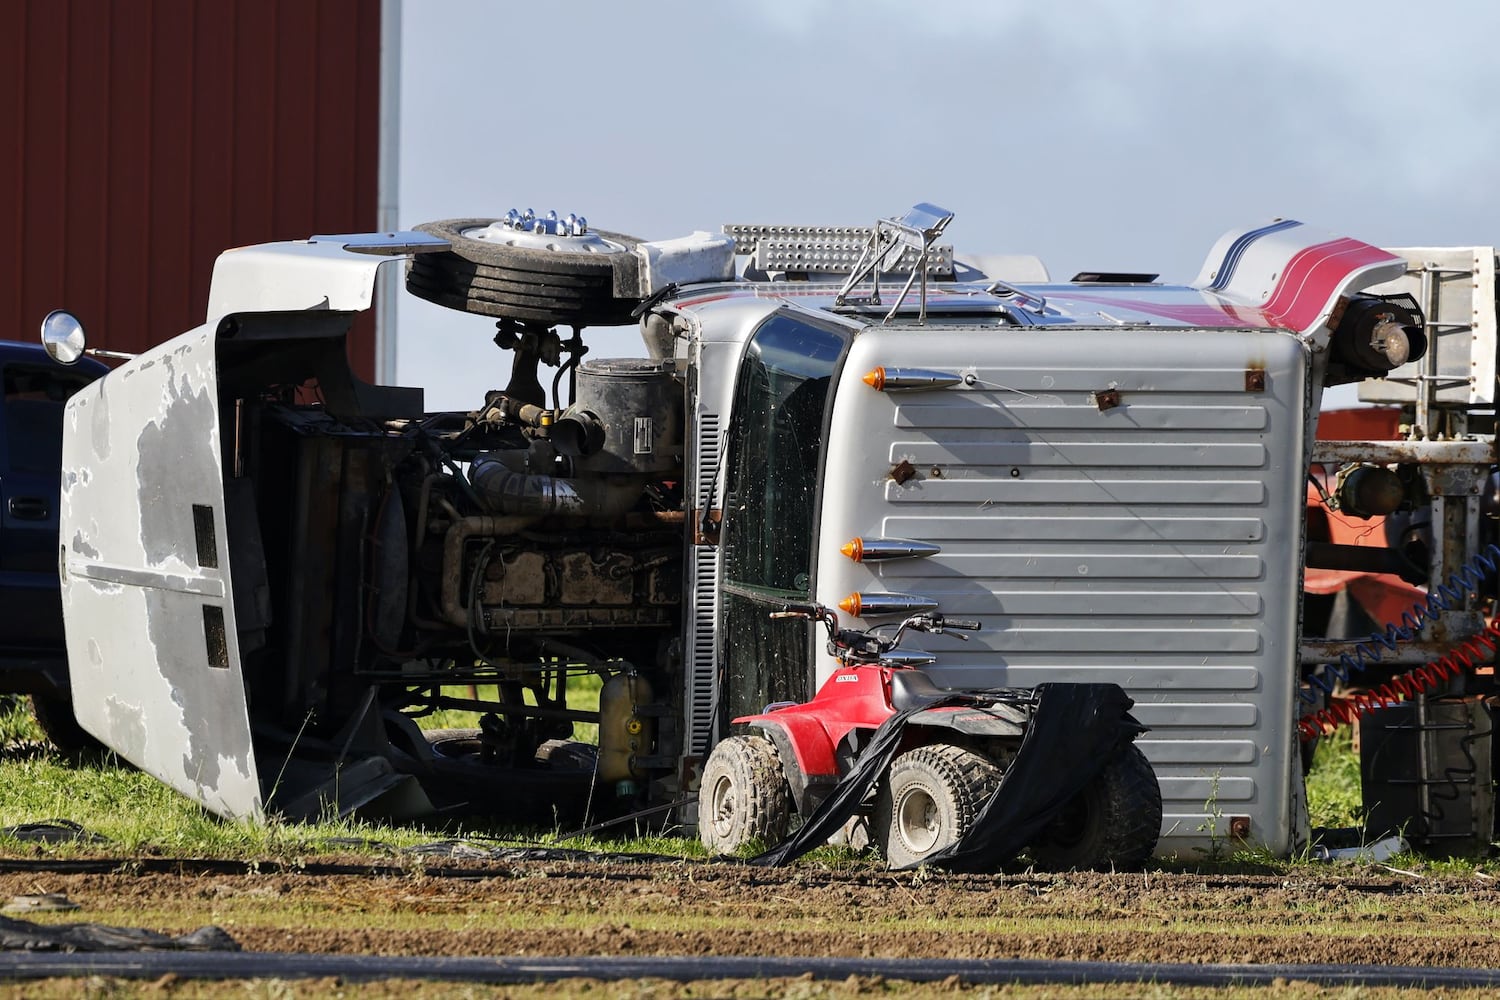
{"type": "Point", "coordinates": [22, 935]}
{"type": "Point", "coordinates": [1072, 733]}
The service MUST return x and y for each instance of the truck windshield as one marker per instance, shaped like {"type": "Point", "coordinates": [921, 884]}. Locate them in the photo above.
{"type": "Point", "coordinates": [775, 449]}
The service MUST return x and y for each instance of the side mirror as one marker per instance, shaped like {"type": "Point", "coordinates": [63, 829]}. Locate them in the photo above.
{"type": "Point", "coordinates": [62, 336]}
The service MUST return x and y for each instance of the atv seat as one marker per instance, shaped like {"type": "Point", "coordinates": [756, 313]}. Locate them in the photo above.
{"type": "Point", "coordinates": [914, 689]}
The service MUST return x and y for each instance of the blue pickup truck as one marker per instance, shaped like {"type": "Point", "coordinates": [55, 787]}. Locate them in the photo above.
{"type": "Point", "coordinates": [32, 656]}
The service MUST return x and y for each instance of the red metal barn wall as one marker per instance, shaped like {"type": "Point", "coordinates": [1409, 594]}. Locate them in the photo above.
{"type": "Point", "coordinates": [145, 136]}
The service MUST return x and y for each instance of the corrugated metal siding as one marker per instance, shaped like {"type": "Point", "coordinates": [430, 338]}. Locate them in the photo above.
{"type": "Point", "coordinates": [149, 136]}
{"type": "Point", "coordinates": [1153, 544]}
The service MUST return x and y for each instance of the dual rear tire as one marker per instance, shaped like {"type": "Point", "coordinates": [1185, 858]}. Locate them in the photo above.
{"type": "Point", "coordinates": [528, 282]}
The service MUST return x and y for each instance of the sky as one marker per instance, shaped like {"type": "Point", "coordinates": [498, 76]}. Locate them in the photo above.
{"type": "Point", "coordinates": [1097, 135]}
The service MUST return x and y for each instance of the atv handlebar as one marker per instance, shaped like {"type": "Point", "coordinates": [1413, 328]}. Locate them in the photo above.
{"type": "Point", "coordinates": [865, 645]}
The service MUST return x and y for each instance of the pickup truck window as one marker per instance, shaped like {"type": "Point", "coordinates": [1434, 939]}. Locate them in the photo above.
{"type": "Point", "coordinates": [34, 398]}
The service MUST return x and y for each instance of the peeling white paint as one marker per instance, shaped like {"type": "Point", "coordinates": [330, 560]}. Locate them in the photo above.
{"type": "Point", "coordinates": [133, 594]}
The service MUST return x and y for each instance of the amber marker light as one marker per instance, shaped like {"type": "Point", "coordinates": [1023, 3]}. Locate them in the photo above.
{"type": "Point", "coordinates": [885, 379]}
{"type": "Point", "coordinates": [869, 605]}
{"type": "Point", "coordinates": [877, 549]}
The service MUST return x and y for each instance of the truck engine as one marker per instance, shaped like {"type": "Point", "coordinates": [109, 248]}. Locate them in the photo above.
{"type": "Point", "coordinates": [516, 545]}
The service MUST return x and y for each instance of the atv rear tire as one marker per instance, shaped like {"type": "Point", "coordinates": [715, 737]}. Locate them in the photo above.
{"type": "Point", "coordinates": [528, 283]}
{"type": "Point", "coordinates": [929, 801]}
{"type": "Point", "coordinates": [744, 798]}
{"type": "Point", "coordinates": [1111, 825]}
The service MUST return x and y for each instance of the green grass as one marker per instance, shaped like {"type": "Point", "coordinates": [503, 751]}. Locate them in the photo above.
{"type": "Point", "coordinates": [137, 813]}
{"type": "Point", "coordinates": [1333, 785]}
{"type": "Point", "coordinates": [16, 724]}
{"type": "Point", "coordinates": [142, 816]}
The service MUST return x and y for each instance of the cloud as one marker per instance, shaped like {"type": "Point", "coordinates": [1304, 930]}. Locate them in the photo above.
{"type": "Point", "coordinates": [1096, 133]}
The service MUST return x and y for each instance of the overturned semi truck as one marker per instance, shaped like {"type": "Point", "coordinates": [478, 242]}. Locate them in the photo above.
{"type": "Point", "coordinates": [273, 570]}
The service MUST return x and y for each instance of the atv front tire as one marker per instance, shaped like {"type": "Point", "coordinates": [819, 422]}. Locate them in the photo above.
{"type": "Point", "coordinates": [528, 281]}
{"type": "Point", "coordinates": [1111, 825]}
{"type": "Point", "coordinates": [929, 801]}
{"type": "Point", "coordinates": [744, 797]}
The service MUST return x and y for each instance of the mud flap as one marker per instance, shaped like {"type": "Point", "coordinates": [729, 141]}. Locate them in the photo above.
{"type": "Point", "coordinates": [1072, 733]}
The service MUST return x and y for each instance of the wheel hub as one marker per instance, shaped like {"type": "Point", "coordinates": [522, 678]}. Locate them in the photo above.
{"type": "Point", "coordinates": [721, 806]}
{"type": "Point", "coordinates": [917, 820]}
{"type": "Point", "coordinates": [527, 229]}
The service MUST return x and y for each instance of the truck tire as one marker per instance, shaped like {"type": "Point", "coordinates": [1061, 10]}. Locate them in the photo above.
{"type": "Point", "coordinates": [744, 798]}
{"type": "Point", "coordinates": [1113, 824]}
{"type": "Point", "coordinates": [929, 801]}
{"type": "Point", "coordinates": [54, 717]}
{"type": "Point", "coordinates": [468, 744]}
{"type": "Point", "coordinates": [528, 283]}
{"type": "Point", "coordinates": [454, 744]}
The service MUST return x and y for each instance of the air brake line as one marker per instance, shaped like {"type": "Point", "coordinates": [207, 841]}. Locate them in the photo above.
{"type": "Point", "coordinates": [1479, 649]}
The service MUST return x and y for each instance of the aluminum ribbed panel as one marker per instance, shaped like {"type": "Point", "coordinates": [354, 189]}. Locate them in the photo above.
{"type": "Point", "coordinates": [825, 249]}
{"type": "Point", "coordinates": [1153, 542]}
{"type": "Point", "coordinates": [703, 582]}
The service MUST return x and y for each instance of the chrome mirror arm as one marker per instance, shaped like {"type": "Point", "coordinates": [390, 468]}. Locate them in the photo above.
{"type": "Point", "coordinates": [918, 229]}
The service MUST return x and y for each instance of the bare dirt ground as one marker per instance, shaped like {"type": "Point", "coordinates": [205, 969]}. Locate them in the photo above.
{"type": "Point", "coordinates": [1367, 916]}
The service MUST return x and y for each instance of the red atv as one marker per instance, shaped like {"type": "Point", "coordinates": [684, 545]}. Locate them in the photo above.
{"type": "Point", "coordinates": [962, 778]}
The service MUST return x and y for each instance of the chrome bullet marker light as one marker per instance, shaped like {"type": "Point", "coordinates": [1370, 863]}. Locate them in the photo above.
{"type": "Point", "coordinates": [876, 549]}
{"type": "Point", "coordinates": [909, 379]}
{"type": "Point", "coordinates": [875, 605]}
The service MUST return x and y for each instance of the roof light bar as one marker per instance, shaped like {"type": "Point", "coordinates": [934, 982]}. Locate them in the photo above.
{"type": "Point", "coordinates": [840, 257]}
{"type": "Point", "coordinates": [828, 250]}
